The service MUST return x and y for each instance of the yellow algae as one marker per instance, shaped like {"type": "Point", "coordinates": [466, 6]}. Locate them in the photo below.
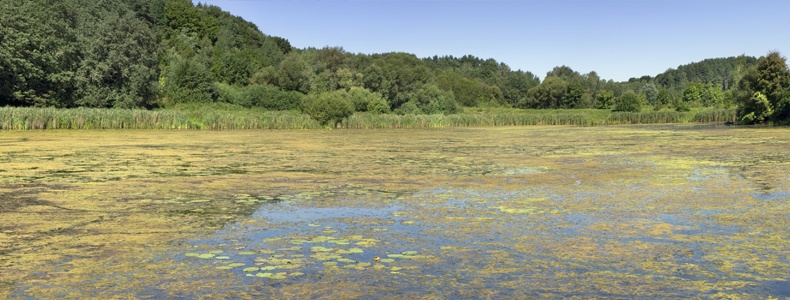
{"type": "Point", "coordinates": [621, 212]}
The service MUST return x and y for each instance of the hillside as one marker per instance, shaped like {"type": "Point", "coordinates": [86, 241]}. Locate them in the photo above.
{"type": "Point", "coordinates": [160, 53]}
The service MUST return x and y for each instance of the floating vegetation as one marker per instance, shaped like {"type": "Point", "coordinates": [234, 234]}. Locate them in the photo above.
{"type": "Point", "coordinates": [676, 212]}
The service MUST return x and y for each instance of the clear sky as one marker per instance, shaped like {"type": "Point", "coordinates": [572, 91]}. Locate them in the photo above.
{"type": "Point", "coordinates": [618, 39]}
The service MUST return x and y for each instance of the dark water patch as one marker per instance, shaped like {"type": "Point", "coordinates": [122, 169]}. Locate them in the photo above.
{"type": "Point", "coordinates": [779, 288]}
{"type": "Point", "coordinates": [771, 196]}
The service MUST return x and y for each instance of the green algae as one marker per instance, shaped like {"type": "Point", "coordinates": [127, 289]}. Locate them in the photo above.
{"type": "Point", "coordinates": [605, 212]}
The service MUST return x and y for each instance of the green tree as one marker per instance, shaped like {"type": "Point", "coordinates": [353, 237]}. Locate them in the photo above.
{"type": "Point", "coordinates": [692, 94]}
{"type": "Point", "coordinates": [663, 98]}
{"type": "Point", "coordinates": [574, 96]}
{"type": "Point", "coordinates": [650, 92]}
{"type": "Point", "coordinates": [38, 52]}
{"type": "Point", "coordinates": [328, 107]}
{"type": "Point", "coordinates": [433, 100]}
{"type": "Point", "coordinates": [548, 94]}
{"type": "Point", "coordinates": [770, 78]}
{"type": "Point", "coordinates": [604, 99]}
{"type": "Point", "coordinates": [629, 101]}
{"type": "Point", "coordinates": [759, 109]}
{"type": "Point", "coordinates": [119, 65]}
{"type": "Point", "coordinates": [188, 81]}
{"type": "Point", "coordinates": [365, 100]}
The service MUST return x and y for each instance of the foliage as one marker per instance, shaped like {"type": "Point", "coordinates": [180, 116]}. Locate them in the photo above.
{"type": "Point", "coordinates": [763, 88]}
{"type": "Point", "coordinates": [628, 102]}
{"type": "Point", "coordinates": [549, 94]}
{"type": "Point", "coordinates": [756, 110]}
{"type": "Point", "coordinates": [604, 99]}
{"type": "Point", "coordinates": [188, 81]}
{"type": "Point", "coordinates": [328, 107]}
{"type": "Point", "coordinates": [149, 54]}
{"type": "Point", "coordinates": [365, 100]}
{"type": "Point", "coordinates": [432, 100]}
{"type": "Point", "coordinates": [650, 92]}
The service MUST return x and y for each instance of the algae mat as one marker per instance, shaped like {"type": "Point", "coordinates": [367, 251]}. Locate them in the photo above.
{"type": "Point", "coordinates": [515, 212]}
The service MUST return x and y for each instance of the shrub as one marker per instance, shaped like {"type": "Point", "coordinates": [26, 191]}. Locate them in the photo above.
{"type": "Point", "coordinates": [328, 107]}
{"type": "Point", "coordinates": [756, 110]}
{"type": "Point", "coordinates": [365, 100]}
{"type": "Point", "coordinates": [270, 97]}
{"type": "Point", "coordinates": [432, 100]}
{"type": "Point", "coordinates": [629, 101]}
{"type": "Point", "coordinates": [188, 81]}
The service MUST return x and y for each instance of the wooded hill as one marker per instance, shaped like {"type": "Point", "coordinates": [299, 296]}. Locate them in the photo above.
{"type": "Point", "coordinates": [159, 53]}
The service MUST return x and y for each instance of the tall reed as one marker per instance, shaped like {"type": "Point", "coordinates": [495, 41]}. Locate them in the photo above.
{"type": "Point", "coordinates": [25, 118]}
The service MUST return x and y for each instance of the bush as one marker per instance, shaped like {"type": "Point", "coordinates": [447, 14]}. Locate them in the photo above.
{"type": "Point", "coordinates": [629, 101]}
{"type": "Point", "coordinates": [365, 100]}
{"type": "Point", "coordinates": [432, 100]}
{"type": "Point", "coordinates": [227, 93]}
{"type": "Point", "coordinates": [188, 81]}
{"type": "Point", "coordinates": [756, 110]}
{"type": "Point", "coordinates": [328, 107]}
{"type": "Point", "coordinates": [409, 108]}
{"type": "Point", "coordinates": [270, 97]}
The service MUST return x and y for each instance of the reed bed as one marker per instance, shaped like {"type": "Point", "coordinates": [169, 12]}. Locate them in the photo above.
{"type": "Point", "coordinates": [25, 118]}
{"type": "Point", "coordinates": [29, 118]}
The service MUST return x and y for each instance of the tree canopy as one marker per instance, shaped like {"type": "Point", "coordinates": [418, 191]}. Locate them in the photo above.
{"type": "Point", "coordinates": [155, 53]}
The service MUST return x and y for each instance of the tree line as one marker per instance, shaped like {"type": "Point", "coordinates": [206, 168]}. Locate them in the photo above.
{"type": "Point", "coordinates": [161, 53]}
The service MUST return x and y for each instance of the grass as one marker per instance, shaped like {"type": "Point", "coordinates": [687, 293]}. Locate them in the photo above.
{"type": "Point", "coordinates": [228, 117]}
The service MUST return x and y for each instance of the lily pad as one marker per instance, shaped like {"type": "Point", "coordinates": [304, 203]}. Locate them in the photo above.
{"type": "Point", "coordinates": [251, 269]}
{"type": "Point", "coordinates": [321, 249]}
{"type": "Point", "coordinates": [278, 276]}
{"type": "Point", "coordinates": [206, 256]}
{"type": "Point", "coordinates": [409, 252]}
{"type": "Point", "coordinates": [366, 243]}
{"type": "Point", "coordinates": [387, 260]}
{"type": "Point", "coordinates": [246, 253]}
{"type": "Point", "coordinates": [264, 275]}
{"type": "Point", "coordinates": [296, 274]}
{"type": "Point", "coordinates": [222, 257]}
{"type": "Point", "coordinates": [192, 254]}
{"type": "Point", "coordinates": [215, 252]}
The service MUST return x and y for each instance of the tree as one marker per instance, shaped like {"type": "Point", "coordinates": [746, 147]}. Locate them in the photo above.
{"type": "Point", "coordinates": [650, 92]}
{"type": "Point", "coordinates": [574, 94]}
{"type": "Point", "coordinates": [629, 101]}
{"type": "Point", "coordinates": [692, 94]}
{"type": "Point", "coordinates": [604, 99]}
{"type": "Point", "coordinates": [432, 100]}
{"type": "Point", "coordinates": [188, 81]}
{"type": "Point", "coordinates": [770, 78]}
{"type": "Point", "coordinates": [328, 107]}
{"type": "Point", "coordinates": [548, 94]}
{"type": "Point", "coordinates": [365, 100]}
{"type": "Point", "coordinates": [119, 66]}
{"type": "Point", "coordinates": [759, 109]}
{"type": "Point", "coordinates": [663, 98]}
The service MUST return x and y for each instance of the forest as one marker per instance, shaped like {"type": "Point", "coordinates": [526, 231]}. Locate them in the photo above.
{"type": "Point", "coordinates": [156, 54]}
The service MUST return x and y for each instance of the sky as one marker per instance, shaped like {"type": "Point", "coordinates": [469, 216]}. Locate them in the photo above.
{"type": "Point", "coordinates": [618, 39]}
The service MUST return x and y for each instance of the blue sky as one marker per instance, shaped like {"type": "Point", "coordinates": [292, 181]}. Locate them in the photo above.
{"type": "Point", "coordinates": [618, 39]}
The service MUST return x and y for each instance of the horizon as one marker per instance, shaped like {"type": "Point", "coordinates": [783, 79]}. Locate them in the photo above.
{"type": "Point", "coordinates": [618, 39]}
